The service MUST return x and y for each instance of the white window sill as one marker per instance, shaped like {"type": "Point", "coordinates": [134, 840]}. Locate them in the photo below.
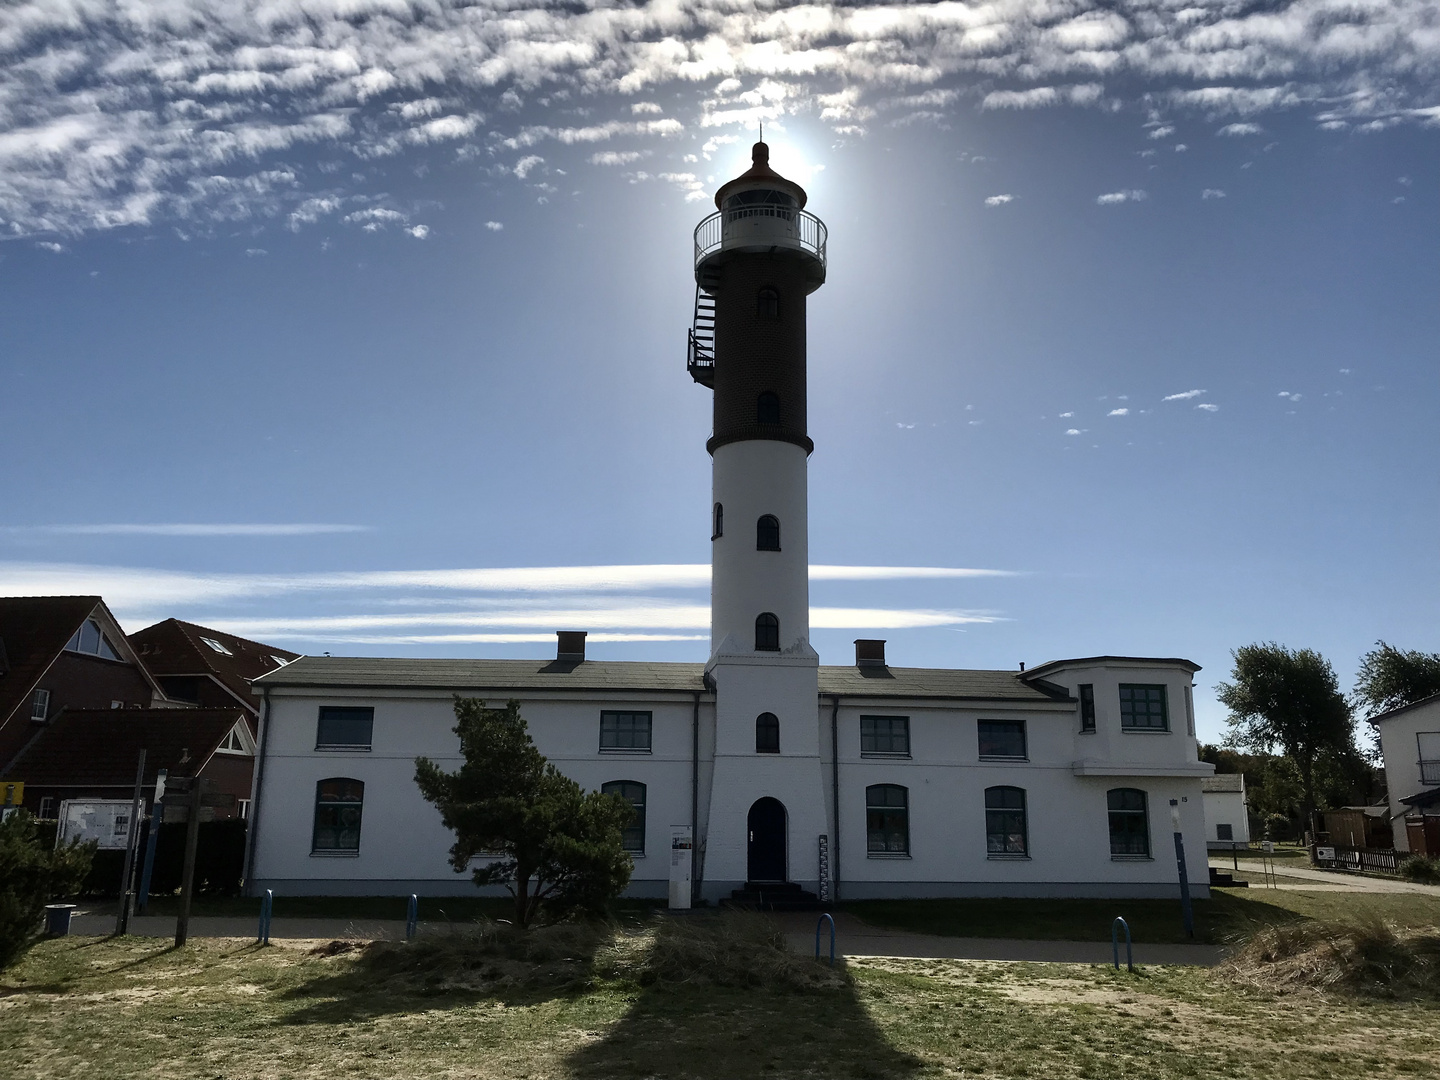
{"type": "Point", "coordinates": [884, 754]}
{"type": "Point", "coordinates": [1145, 730]}
{"type": "Point", "coordinates": [355, 749]}
{"type": "Point", "coordinates": [886, 855]}
{"type": "Point", "coordinates": [1132, 858]}
{"type": "Point", "coordinates": [996, 757]}
{"type": "Point", "coordinates": [624, 750]}
{"type": "Point", "coordinates": [998, 857]}
{"type": "Point", "coordinates": [334, 854]}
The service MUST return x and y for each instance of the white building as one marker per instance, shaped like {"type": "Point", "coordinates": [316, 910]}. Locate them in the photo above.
{"type": "Point", "coordinates": [853, 782]}
{"type": "Point", "coordinates": [1410, 743]}
{"type": "Point", "coordinates": [1227, 814]}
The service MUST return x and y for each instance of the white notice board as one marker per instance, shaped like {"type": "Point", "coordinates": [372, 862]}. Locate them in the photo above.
{"type": "Point", "coordinates": [106, 821]}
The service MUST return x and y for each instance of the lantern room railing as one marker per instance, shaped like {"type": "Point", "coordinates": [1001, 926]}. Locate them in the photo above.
{"type": "Point", "coordinates": [759, 226]}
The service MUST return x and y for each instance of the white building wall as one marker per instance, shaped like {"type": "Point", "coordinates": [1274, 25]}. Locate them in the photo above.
{"type": "Point", "coordinates": [1400, 745]}
{"type": "Point", "coordinates": [1226, 808]}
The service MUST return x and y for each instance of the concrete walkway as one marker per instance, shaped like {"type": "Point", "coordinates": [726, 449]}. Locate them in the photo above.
{"type": "Point", "coordinates": [1308, 879]}
{"type": "Point", "coordinates": [853, 938]}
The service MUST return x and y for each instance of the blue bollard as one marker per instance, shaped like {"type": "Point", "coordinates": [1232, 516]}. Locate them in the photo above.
{"type": "Point", "coordinates": [267, 905]}
{"type": "Point", "coordinates": [823, 920]}
{"type": "Point", "coordinates": [412, 917]}
{"type": "Point", "coordinates": [1115, 943]}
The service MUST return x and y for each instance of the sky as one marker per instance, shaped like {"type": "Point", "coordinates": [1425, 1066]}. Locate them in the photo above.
{"type": "Point", "coordinates": [358, 326]}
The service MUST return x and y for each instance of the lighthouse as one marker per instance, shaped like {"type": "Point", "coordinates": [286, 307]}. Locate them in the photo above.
{"type": "Point", "coordinates": [757, 260]}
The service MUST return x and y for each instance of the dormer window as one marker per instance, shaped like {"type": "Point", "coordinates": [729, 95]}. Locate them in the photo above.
{"type": "Point", "coordinates": [91, 641]}
{"type": "Point", "coordinates": [217, 646]}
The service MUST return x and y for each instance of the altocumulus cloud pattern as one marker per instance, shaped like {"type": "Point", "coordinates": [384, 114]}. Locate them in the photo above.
{"type": "Point", "coordinates": [121, 112]}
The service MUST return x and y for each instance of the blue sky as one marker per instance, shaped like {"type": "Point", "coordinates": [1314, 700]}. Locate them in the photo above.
{"type": "Point", "coordinates": [360, 327]}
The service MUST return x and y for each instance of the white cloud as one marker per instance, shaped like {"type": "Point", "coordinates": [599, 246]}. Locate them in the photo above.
{"type": "Point", "coordinates": [641, 108]}
{"type": "Point", "coordinates": [1039, 97]}
{"type": "Point", "coordinates": [494, 226]}
{"type": "Point", "coordinates": [1180, 148]}
{"type": "Point", "coordinates": [1207, 407]}
{"type": "Point", "coordinates": [255, 253]}
{"type": "Point", "coordinates": [1287, 394]}
{"type": "Point", "coordinates": [1185, 396]}
{"type": "Point", "coordinates": [1076, 431]}
{"type": "Point", "coordinates": [1162, 132]}
{"type": "Point", "coordinates": [1240, 129]}
{"type": "Point", "coordinates": [419, 232]}
{"type": "Point", "coordinates": [615, 157]}
{"type": "Point", "coordinates": [999, 200]}
{"type": "Point", "coordinates": [1116, 197]}
{"type": "Point", "coordinates": [1066, 415]}
{"type": "Point", "coordinates": [50, 245]}
{"type": "Point", "coordinates": [526, 165]}
{"type": "Point", "coordinates": [1118, 412]}
{"type": "Point", "coordinates": [1212, 193]}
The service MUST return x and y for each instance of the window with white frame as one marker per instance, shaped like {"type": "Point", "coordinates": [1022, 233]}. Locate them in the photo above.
{"type": "Point", "coordinates": [217, 646]}
{"type": "Point", "coordinates": [39, 705]}
{"type": "Point", "coordinates": [91, 641]}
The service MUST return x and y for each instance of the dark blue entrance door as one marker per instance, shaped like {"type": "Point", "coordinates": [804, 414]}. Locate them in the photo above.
{"type": "Point", "coordinates": [766, 849]}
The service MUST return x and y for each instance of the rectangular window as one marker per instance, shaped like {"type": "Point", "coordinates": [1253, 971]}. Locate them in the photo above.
{"type": "Point", "coordinates": [1189, 711]}
{"type": "Point", "coordinates": [47, 806]}
{"type": "Point", "coordinates": [885, 735]}
{"type": "Point", "coordinates": [1087, 706]}
{"type": "Point", "coordinates": [344, 727]}
{"type": "Point", "coordinates": [1224, 831]}
{"type": "Point", "coordinates": [40, 705]}
{"type": "Point", "coordinates": [1129, 824]}
{"type": "Point", "coordinates": [1005, 832]}
{"type": "Point", "coordinates": [1002, 740]}
{"type": "Point", "coordinates": [1429, 744]}
{"type": "Point", "coordinates": [338, 804]}
{"type": "Point", "coordinates": [632, 836]}
{"type": "Point", "coordinates": [887, 819]}
{"type": "Point", "coordinates": [625, 730]}
{"type": "Point", "coordinates": [1143, 707]}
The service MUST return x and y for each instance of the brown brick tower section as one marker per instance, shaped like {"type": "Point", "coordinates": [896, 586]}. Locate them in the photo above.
{"type": "Point", "coordinates": [760, 349]}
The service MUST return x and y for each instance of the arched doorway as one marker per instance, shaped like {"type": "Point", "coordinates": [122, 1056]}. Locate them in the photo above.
{"type": "Point", "coordinates": [765, 851]}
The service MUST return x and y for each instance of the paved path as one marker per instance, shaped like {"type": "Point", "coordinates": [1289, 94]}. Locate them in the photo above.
{"type": "Point", "coordinates": [853, 938]}
{"type": "Point", "coordinates": [1311, 880]}
{"type": "Point", "coordinates": [856, 938]}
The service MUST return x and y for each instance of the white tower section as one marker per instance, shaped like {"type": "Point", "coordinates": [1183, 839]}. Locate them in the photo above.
{"type": "Point", "coordinates": [756, 261]}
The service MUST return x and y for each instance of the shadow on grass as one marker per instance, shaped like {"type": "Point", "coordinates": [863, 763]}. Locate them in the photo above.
{"type": "Point", "coordinates": [481, 962]}
{"type": "Point", "coordinates": [1218, 920]}
{"type": "Point", "coordinates": [778, 1015]}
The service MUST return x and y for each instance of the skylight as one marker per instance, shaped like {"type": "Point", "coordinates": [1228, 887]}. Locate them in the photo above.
{"type": "Point", "coordinates": [217, 646]}
{"type": "Point", "coordinates": [279, 660]}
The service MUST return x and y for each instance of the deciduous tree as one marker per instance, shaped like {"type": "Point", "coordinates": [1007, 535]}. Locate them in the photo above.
{"type": "Point", "coordinates": [537, 832]}
{"type": "Point", "coordinates": [1290, 699]}
{"type": "Point", "coordinates": [1389, 677]}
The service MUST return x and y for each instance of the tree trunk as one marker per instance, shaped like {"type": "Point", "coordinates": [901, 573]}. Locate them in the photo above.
{"type": "Point", "coordinates": [522, 898]}
{"type": "Point", "coordinates": [1307, 791]}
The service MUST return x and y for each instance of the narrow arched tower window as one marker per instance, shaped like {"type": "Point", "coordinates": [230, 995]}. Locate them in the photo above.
{"type": "Point", "coordinates": [767, 304]}
{"type": "Point", "coordinates": [719, 522]}
{"type": "Point", "coordinates": [767, 633]}
{"type": "Point", "coordinates": [767, 408]}
{"type": "Point", "coordinates": [767, 733]}
{"type": "Point", "coordinates": [767, 533]}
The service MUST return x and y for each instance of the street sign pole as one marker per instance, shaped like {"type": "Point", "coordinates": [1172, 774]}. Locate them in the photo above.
{"type": "Point", "coordinates": [122, 920]}
{"type": "Point", "coordinates": [1185, 911]}
{"type": "Point", "coordinates": [157, 818]}
{"type": "Point", "coordinates": [187, 878]}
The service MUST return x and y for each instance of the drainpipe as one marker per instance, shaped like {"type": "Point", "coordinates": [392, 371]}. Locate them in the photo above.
{"type": "Point", "coordinates": [695, 802]}
{"type": "Point", "coordinates": [835, 795]}
{"type": "Point", "coordinates": [252, 826]}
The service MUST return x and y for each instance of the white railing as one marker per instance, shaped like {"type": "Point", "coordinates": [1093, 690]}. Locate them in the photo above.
{"type": "Point", "coordinates": [1430, 772]}
{"type": "Point", "coordinates": [760, 226]}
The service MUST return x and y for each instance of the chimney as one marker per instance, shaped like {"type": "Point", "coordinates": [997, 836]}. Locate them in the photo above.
{"type": "Point", "coordinates": [869, 652]}
{"type": "Point", "coordinates": [570, 645]}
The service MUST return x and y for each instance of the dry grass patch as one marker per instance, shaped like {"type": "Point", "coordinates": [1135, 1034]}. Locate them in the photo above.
{"type": "Point", "coordinates": [1373, 957]}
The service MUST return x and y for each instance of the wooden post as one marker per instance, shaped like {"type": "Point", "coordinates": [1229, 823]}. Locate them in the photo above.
{"type": "Point", "coordinates": [187, 879]}
{"type": "Point", "coordinates": [122, 920]}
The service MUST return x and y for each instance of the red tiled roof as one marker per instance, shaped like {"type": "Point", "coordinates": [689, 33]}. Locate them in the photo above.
{"type": "Point", "coordinates": [174, 647]}
{"type": "Point", "coordinates": [100, 747]}
{"type": "Point", "coordinates": [34, 630]}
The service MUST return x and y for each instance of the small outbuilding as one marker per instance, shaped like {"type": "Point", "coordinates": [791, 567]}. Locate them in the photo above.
{"type": "Point", "coordinates": [1227, 814]}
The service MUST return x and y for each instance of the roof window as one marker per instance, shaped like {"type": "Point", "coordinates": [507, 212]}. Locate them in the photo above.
{"type": "Point", "coordinates": [217, 646]}
{"type": "Point", "coordinates": [89, 639]}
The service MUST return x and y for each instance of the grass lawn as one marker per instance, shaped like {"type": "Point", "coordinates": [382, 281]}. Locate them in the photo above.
{"type": "Point", "coordinates": [1217, 920]}
{"type": "Point", "coordinates": [128, 1008]}
{"type": "Point", "coordinates": [432, 908]}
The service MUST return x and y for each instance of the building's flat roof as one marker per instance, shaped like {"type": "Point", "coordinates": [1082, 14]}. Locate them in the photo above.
{"type": "Point", "coordinates": [1052, 666]}
{"type": "Point", "coordinates": [406, 673]}
{"type": "Point", "coordinates": [1223, 782]}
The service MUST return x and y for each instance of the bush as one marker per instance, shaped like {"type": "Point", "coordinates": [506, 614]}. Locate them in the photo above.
{"type": "Point", "coordinates": [219, 861]}
{"type": "Point", "coordinates": [1372, 957]}
{"type": "Point", "coordinates": [32, 875]}
{"type": "Point", "coordinates": [1421, 870]}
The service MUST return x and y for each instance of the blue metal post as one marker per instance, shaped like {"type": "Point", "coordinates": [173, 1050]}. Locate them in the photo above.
{"type": "Point", "coordinates": [157, 818]}
{"type": "Point", "coordinates": [1185, 912]}
{"type": "Point", "coordinates": [1115, 943]}
{"type": "Point", "coordinates": [823, 920]}
{"type": "Point", "coordinates": [412, 917]}
{"type": "Point", "coordinates": [267, 906]}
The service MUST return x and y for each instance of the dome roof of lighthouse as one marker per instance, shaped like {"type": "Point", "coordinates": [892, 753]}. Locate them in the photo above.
{"type": "Point", "coordinates": [759, 177]}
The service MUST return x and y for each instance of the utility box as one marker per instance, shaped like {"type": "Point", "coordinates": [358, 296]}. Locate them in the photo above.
{"type": "Point", "coordinates": [682, 850]}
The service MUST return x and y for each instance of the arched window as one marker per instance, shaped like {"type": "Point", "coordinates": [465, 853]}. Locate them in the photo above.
{"type": "Point", "coordinates": [338, 802]}
{"type": "Point", "coordinates": [767, 733]}
{"type": "Point", "coordinates": [1129, 823]}
{"type": "Point", "coordinates": [767, 303]}
{"type": "Point", "coordinates": [887, 819]}
{"type": "Point", "coordinates": [767, 408]}
{"type": "Point", "coordinates": [632, 837]}
{"type": "Point", "coordinates": [1005, 821]}
{"type": "Point", "coordinates": [767, 633]}
{"type": "Point", "coordinates": [719, 522]}
{"type": "Point", "coordinates": [767, 533]}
